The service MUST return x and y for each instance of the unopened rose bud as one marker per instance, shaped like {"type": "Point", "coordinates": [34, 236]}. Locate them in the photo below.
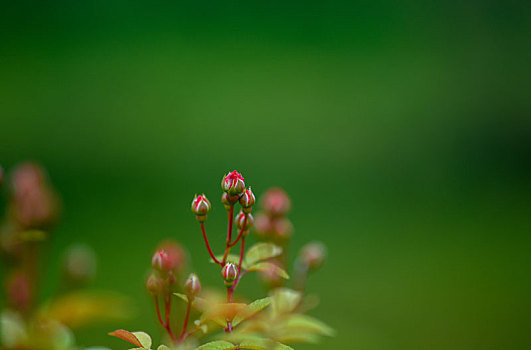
{"type": "Point", "coordinates": [276, 202]}
{"type": "Point", "coordinates": [233, 183]}
{"type": "Point", "coordinates": [200, 205]}
{"type": "Point", "coordinates": [247, 200]}
{"type": "Point", "coordinates": [34, 204]}
{"type": "Point", "coordinates": [80, 264]}
{"type": "Point", "coordinates": [263, 225]}
{"type": "Point", "coordinates": [225, 199]}
{"type": "Point", "coordinates": [19, 290]}
{"type": "Point", "coordinates": [169, 256]}
{"type": "Point", "coordinates": [240, 220]}
{"type": "Point", "coordinates": [192, 285]}
{"type": "Point", "coordinates": [313, 255]}
{"type": "Point", "coordinates": [229, 272]}
{"type": "Point", "coordinates": [155, 285]}
{"type": "Point", "coordinates": [282, 228]}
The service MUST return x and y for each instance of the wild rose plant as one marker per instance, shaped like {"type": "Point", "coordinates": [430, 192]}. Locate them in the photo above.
{"type": "Point", "coordinates": [228, 323]}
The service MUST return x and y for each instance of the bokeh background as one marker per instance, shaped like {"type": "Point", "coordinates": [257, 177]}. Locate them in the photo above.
{"type": "Point", "coordinates": [400, 129]}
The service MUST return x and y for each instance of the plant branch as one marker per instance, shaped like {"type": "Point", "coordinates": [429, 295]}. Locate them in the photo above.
{"type": "Point", "coordinates": [202, 224]}
{"type": "Point", "coordinates": [186, 317]}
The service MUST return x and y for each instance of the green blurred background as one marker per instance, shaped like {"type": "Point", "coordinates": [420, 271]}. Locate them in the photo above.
{"type": "Point", "coordinates": [400, 129]}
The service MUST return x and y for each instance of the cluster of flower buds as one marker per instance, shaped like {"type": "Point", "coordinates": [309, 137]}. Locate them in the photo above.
{"type": "Point", "coordinates": [271, 222]}
{"type": "Point", "coordinates": [229, 272]}
{"type": "Point", "coordinates": [33, 204]}
{"type": "Point", "coordinates": [200, 207]}
{"type": "Point", "coordinates": [168, 259]}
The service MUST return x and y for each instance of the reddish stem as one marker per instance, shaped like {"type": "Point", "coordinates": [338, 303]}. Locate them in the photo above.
{"type": "Point", "coordinates": [229, 233]}
{"type": "Point", "coordinates": [202, 224]}
{"type": "Point", "coordinates": [185, 325]}
{"type": "Point", "coordinates": [241, 232]}
{"type": "Point", "coordinates": [158, 311]}
{"type": "Point", "coordinates": [229, 295]}
{"type": "Point", "coordinates": [167, 303]}
{"type": "Point", "coordinates": [242, 250]}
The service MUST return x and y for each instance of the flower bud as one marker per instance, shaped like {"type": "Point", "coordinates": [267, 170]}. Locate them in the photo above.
{"type": "Point", "coordinates": [264, 225]}
{"type": "Point", "coordinates": [170, 256]}
{"type": "Point", "coordinates": [313, 255]}
{"type": "Point", "coordinates": [229, 272]}
{"type": "Point", "coordinates": [282, 228]}
{"type": "Point", "coordinates": [247, 199]}
{"type": "Point", "coordinates": [154, 284]}
{"type": "Point", "coordinates": [79, 264]}
{"type": "Point", "coordinates": [276, 202]}
{"type": "Point", "coordinates": [19, 289]}
{"type": "Point", "coordinates": [200, 205]}
{"type": "Point", "coordinates": [192, 285]}
{"type": "Point", "coordinates": [225, 199]}
{"type": "Point", "coordinates": [233, 183]}
{"type": "Point", "coordinates": [240, 219]}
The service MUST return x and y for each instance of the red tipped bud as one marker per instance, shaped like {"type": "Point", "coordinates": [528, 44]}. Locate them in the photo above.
{"type": "Point", "coordinates": [192, 285]}
{"type": "Point", "coordinates": [226, 200]}
{"type": "Point", "coordinates": [155, 285]}
{"type": "Point", "coordinates": [313, 255]}
{"type": "Point", "coordinates": [276, 202]}
{"type": "Point", "coordinates": [247, 199]}
{"type": "Point", "coordinates": [240, 220]}
{"type": "Point", "coordinates": [229, 272]}
{"type": "Point", "coordinates": [233, 183]}
{"type": "Point", "coordinates": [200, 205]}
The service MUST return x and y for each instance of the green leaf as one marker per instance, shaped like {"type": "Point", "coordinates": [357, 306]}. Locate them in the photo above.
{"type": "Point", "coordinates": [299, 322]}
{"type": "Point", "coordinates": [285, 300]}
{"type": "Point", "coordinates": [217, 345]}
{"type": "Point", "coordinates": [32, 236]}
{"type": "Point", "coordinates": [267, 266]}
{"type": "Point", "coordinates": [261, 251]}
{"type": "Point", "coordinates": [12, 329]}
{"type": "Point", "coordinates": [163, 347]}
{"type": "Point", "coordinates": [280, 346]}
{"type": "Point", "coordinates": [251, 310]}
{"type": "Point", "coordinates": [139, 339]}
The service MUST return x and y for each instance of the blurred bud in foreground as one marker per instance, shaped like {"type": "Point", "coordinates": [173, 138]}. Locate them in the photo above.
{"type": "Point", "coordinates": [34, 204]}
{"type": "Point", "coordinates": [169, 256]}
{"type": "Point", "coordinates": [229, 272]}
{"type": "Point", "coordinates": [276, 202]}
{"type": "Point", "coordinates": [233, 183]}
{"type": "Point", "coordinates": [282, 228]}
{"type": "Point", "coordinates": [19, 290]}
{"type": "Point", "coordinates": [155, 285]}
{"type": "Point", "coordinates": [313, 255]}
{"type": "Point", "coordinates": [80, 264]}
{"type": "Point", "coordinates": [192, 285]}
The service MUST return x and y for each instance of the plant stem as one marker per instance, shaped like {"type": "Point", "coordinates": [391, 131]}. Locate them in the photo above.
{"type": "Point", "coordinates": [185, 325]}
{"type": "Point", "coordinates": [242, 250]}
{"type": "Point", "coordinates": [241, 232]}
{"type": "Point", "coordinates": [158, 311]}
{"type": "Point", "coordinates": [167, 303]}
{"type": "Point", "coordinates": [202, 224]}
{"type": "Point", "coordinates": [229, 233]}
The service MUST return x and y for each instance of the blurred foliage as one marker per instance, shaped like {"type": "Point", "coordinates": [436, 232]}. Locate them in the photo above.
{"type": "Point", "coordinates": [400, 130]}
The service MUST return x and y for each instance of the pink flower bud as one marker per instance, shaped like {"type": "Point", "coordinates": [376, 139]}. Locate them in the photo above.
{"type": "Point", "coordinates": [19, 290]}
{"type": "Point", "coordinates": [282, 228]}
{"type": "Point", "coordinates": [192, 285]}
{"type": "Point", "coordinates": [240, 219]}
{"type": "Point", "coordinates": [247, 199]}
{"type": "Point", "coordinates": [34, 204]}
{"type": "Point", "coordinates": [264, 225]}
{"type": "Point", "coordinates": [233, 183]}
{"type": "Point", "coordinates": [200, 205]}
{"type": "Point", "coordinates": [173, 254]}
{"type": "Point", "coordinates": [313, 255]}
{"type": "Point", "coordinates": [155, 285]}
{"type": "Point", "coordinates": [229, 272]}
{"type": "Point", "coordinates": [276, 202]}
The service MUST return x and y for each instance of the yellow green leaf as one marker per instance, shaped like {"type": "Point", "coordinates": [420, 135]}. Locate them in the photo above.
{"type": "Point", "coordinates": [267, 266]}
{"type": "Point", "coordinates": [260, 252]}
